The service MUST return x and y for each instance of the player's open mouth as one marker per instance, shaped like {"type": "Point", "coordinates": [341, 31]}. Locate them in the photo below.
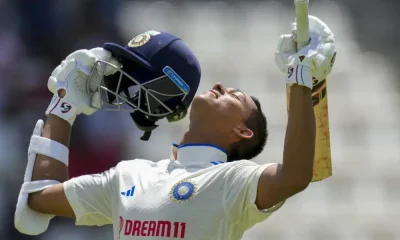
{"type": "Point", "coordinates": [214, 93]}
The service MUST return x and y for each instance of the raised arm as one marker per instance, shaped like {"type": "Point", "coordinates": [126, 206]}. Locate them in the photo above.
{"type": "Point", "coordinates": [44, 193]}
{"type": "Point", "coordinates": [70, 99]}
{"type": "Point", "coordinates": [314, 62]}
{"type": "Point", "coordinates": [52, 200]}
{"type": "Point", "coordinates": [281, 181]}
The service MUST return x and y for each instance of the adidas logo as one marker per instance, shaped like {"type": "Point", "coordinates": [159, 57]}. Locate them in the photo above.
{"type": "Point", "coordinates": [216, 162]}
{"type": "Point", "coordinates": [129, 193]}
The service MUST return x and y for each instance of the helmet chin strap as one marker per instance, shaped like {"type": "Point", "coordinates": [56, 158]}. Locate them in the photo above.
{"type": "Point", "coordinates": [146, 124]}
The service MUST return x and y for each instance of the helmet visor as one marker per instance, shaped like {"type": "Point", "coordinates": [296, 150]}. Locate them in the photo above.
{"type": "Point", "coordinates": [120, 91]}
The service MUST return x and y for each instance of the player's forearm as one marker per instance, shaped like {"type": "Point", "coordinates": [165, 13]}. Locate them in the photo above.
{"type": "Point", "coordinates": [298, 156]}
{"type": "Point", "coordinates": [47, 168]}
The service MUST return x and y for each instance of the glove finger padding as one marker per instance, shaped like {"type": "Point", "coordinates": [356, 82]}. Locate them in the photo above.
{"type": "Point", "coordinates": [324, 61]}
{"type": "Point", "coordinates": [85, 60]}
{"type": "Point", "coordinates": [286, 47]}
{"type": "Point", "coordinates": [322, 53]}
{"type": "Point", "coordinates": [317, 27]}
{"type": "Point", "coordinates": [105, 55]}
{"type": "Point", "coordinates": [57, 70]}
{"type": "Point", "coordinates": [52, 81]}
{"type": "Point", "coordinates": [101, 53]}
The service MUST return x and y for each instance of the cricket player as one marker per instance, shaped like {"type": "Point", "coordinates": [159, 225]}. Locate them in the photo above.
{"type": "Point", "coordinates": [207, 188]}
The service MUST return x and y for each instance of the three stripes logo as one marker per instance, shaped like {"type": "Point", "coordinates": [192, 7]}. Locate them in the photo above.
{"type": "Point", "coordinates": [129, 193]}
{"type": "Point", "coordinates": [216, 162]}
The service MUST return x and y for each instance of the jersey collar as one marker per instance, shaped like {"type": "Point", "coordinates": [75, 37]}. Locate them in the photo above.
{"type": "Point", "coordinates": [199, 154]}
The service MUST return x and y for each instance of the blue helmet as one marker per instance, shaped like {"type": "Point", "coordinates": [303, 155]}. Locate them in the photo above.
{"type": "Point", "coordinates": [158, 78]}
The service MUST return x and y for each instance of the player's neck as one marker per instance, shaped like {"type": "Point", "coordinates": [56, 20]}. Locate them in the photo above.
{"type": "Point", "coordinates": [200, 136]}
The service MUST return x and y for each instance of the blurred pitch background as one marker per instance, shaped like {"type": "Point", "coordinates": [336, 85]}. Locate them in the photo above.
{"type": "Point", "coordinates": [235, 42]}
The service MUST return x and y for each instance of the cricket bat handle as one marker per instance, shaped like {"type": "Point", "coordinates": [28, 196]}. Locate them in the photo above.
{"type": "Point", "coordinates": [303, 29]}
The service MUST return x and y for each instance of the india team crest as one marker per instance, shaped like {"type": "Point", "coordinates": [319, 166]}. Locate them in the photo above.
{"type": "Point", "coordinates": [142, 39]}
{"type": "Point", "coordinates": [139, 40]}
{"type": "Point", "coordinates": [183, 191]}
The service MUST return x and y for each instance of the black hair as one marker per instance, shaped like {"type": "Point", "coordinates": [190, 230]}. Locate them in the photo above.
{"type": "Point", "coordinates": [250, 148]}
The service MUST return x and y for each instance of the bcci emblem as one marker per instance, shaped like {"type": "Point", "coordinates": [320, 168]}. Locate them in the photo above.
{"type": "Point", "coordinates": [183, 191]}
{"type": "Point", "coordinates": [139, 40]}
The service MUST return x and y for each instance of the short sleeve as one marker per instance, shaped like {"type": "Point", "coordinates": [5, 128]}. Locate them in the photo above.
{"type": "Point", "coordinates": [90, 196]}
{"type": "Point", "coordinates": [241, 192]}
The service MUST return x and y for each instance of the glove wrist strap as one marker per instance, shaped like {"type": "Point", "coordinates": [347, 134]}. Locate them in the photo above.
{"type": "Point", "coordinates": [63, 109]}
{"type": "Point", "coordinates": [299, 74]}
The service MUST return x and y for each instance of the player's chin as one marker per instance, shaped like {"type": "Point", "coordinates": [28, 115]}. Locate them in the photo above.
{"type": "Point", "coordinates": [203, 101]}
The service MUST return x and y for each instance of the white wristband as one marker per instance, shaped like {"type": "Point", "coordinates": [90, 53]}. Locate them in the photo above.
{"type": "Point", "coordinates": [49, 148]}
{"type": "Point", "coordinates": [63, 109]}
{"type": "Point", "coordinates": [299, 74]}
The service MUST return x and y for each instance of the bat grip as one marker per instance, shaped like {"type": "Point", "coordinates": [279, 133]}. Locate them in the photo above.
{"type": "Point", "coordinates": [302, 23]}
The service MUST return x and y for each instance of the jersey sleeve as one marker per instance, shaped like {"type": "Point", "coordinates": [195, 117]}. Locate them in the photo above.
{"type": "Point", "coordinates": [90, 196]}
{"type": "Point", "coordinates": [241, 192]}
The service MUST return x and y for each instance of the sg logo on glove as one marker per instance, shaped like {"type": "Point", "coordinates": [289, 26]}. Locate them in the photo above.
{"type": "Point", "coordinates": [290, 72]}
{"type": "Point", "coordinates": [65, 107]}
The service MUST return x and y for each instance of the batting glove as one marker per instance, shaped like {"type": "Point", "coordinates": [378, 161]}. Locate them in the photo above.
{"type": "Point", "coordinates": [315, 61]}
{"type": "Point", "coordinates": [72, 76]}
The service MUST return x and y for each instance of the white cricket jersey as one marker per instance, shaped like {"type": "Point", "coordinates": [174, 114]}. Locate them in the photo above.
{"type": "Point", "coordinates": [197, 196]}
